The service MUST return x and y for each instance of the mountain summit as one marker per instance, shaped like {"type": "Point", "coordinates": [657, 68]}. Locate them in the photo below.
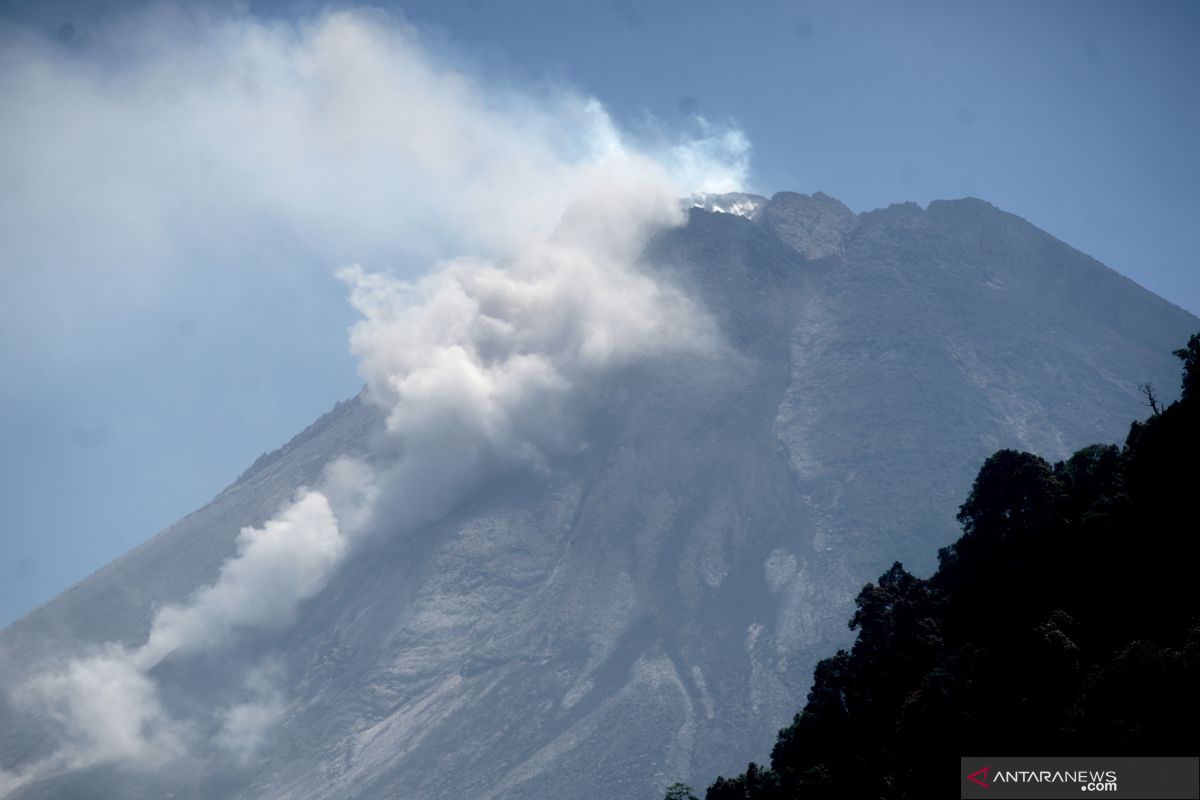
{"type": "Point", "coordinates": [648, 606]}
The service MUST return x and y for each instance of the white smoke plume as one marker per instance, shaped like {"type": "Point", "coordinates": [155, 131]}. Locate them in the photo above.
{"type": "Point", "coordinates": [246, 727]}
{"type": "Point", "coordinates": [277, 567]}
{"type": "Point", "coordinates": [481, 365]}
{"type": "Point", "coordinates": [110, 710]}
{"type": "Point", "coordinates": [477, 365]}
{"type": "Point", "coordinates": [108, 705]}
{"type": "Point", "coordinates": [176, 144]}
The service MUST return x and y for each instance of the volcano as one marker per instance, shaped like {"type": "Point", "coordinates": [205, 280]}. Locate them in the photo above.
{"type": "Point", "coordinates": [649, 607]}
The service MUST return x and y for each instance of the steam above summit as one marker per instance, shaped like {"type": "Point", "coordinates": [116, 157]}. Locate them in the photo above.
{"type": "Point", "coordinates": [232, 144]}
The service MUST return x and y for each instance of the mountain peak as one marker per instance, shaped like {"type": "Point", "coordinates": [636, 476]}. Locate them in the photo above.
{"type": "Point", "coordinates": [815, 224]}
{"type": "Point", "coordinates": [648, 606]}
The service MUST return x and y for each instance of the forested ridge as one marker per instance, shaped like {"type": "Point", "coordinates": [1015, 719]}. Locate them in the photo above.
{"type": "Point", "coordinates": [1064, 620]}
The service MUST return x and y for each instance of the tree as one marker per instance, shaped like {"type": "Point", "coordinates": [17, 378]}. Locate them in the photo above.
{"type": "Point", "coordinates": [679, 791]}
{"type": "Point", "coordinates": [1190, 356]}
{"type": "Point", "coordinates": [1013, 490]}
{"type": "Point", "coordinates": [1065, 617]}
{"type": "Point", "coordinates": [1151, 401]}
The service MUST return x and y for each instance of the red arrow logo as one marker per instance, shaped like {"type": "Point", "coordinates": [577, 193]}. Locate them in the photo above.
{"type": "Point", "coordinates": [976, 780]}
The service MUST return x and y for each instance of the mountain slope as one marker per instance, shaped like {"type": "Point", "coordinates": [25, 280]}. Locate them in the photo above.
{"type": "Point", "coordinates": [1062, 621]}
{"type": "Point", "coordinates": [651, 607]}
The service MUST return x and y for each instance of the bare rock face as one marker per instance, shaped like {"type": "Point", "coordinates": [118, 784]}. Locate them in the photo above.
{"type": "Point", "coordinates": [816, 225]}
{"type": "Point", "coordinates": [650, 608]}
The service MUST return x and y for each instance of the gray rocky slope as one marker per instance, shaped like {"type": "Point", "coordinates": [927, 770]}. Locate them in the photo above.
{"type": "Point", "coordinates": [651, 608]}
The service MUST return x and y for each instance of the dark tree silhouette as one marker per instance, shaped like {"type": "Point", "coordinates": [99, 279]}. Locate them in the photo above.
{"type": "Point", "coordinates": [1190, 356]}
{"type": "Point", "coordinates": [1151, 402]}
{"type": "Point", "coordinates": [1063, 620]}
{"type": "Point", "coordinates": [679, 791]}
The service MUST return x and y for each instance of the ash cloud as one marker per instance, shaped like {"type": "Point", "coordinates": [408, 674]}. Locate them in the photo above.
{"type": "Point", "coordinates": [278, 566]}
{"type": "Point", "coordinates": [348, 127]}
{"type": "Point", "coordinates": [177, 144]}
{"type": "Point", "coordinates": [479, 365]}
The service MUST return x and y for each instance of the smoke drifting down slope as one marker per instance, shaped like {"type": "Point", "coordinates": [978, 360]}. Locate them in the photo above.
{"type": "Point", "coordinates": [614, 481]}
{"type": "Point", "coordinates": [478, 367]}
{"type": "Point", "coordinates": [652, 532]}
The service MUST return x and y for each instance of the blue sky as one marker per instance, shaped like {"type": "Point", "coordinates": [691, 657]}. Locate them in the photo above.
{"type": "Point", "coordinates": [130, 394]}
